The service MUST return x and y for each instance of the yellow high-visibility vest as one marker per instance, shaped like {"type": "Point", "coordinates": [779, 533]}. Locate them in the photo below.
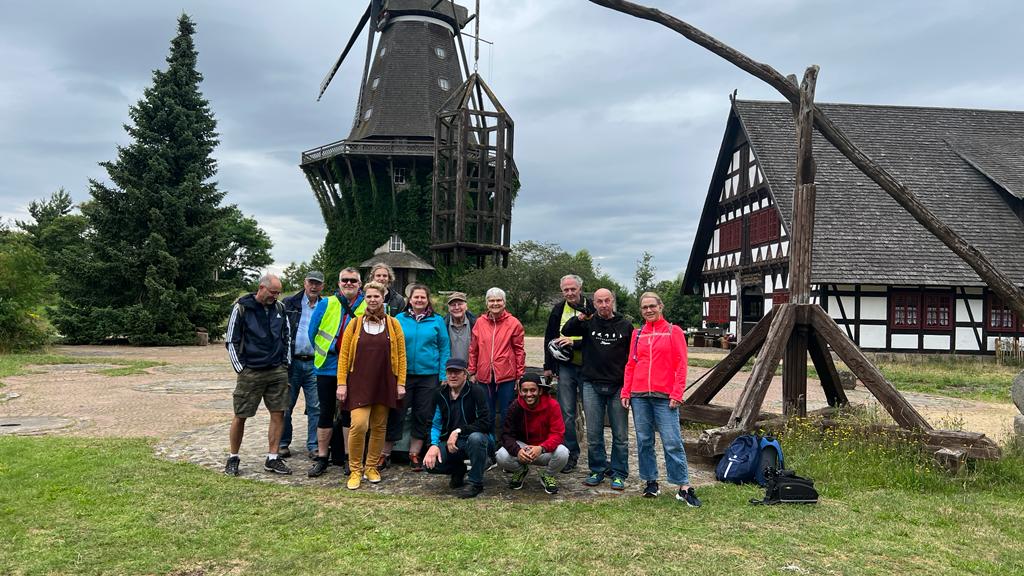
{"type": "Point", "coordinates": [328, 329]}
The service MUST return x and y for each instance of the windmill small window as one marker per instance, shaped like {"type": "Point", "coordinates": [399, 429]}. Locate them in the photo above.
{"type": "Point", "coordinates": [383, 51]}
{"type": "Point", "coordinates": [440, 52]}
{"type": "Point", "coordinates": [367, 114]}
{"type": "Point", "coordinates": [443, 83]}
{"type": "Point", "coordinates": [376, 83]}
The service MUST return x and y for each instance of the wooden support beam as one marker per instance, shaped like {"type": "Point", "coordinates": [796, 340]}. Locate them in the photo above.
{"type": "Point", "coordinates": [826, 368]}
{"type": "Point", "coordinates": [794, 372]}
{"type": "Point", "coordinates": [749, 404]}
{"type": "Point", "coordinates": [720, 375]}
{"type": "Point", "coordinates": [802, 221]}
{"type": "Point", "coordinates": [712, 414]}
{"type": "Point", "coordinates": [894, 403]}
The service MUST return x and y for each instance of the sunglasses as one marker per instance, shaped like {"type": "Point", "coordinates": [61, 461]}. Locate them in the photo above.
{"type": "Point", "coordinates": [349, 281]}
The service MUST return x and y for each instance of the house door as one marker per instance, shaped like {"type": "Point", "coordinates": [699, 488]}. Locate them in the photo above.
{"type": "Point", "coordinates": [751, 307]}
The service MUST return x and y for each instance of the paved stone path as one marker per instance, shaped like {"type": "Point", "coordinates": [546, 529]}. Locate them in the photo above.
{"type": "Point", "coordinates": [186, 406]}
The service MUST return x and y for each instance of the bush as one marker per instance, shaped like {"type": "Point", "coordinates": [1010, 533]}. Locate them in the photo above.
{"type": "Point", "coordinates": [24, 286]}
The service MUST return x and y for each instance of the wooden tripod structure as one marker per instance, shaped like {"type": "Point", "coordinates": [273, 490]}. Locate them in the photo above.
{"type": "Point", "coordinates": [799, 328]}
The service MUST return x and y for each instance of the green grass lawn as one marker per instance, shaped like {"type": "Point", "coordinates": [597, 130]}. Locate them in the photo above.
{"type": "Point", "coordinates": [17, 364]}
{"type": "Point", "coordinates": [82, 506]}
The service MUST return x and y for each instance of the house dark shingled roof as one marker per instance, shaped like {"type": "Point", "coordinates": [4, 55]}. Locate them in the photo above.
{"type": "Point", "coordinates": [948, 157]}
{"type": "Point", "coordinates": [402, 93]}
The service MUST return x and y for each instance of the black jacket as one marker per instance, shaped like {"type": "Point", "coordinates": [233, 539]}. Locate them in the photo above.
{"type": "Point", "coordinates": [554, 328]}
{"type": "Point", "coordinates": [605, 347]}
{"type": "Point", "coordinates": [293, 308]}
{"type": "Point", "coordinates": [395, 303]}
{"type": "Point", "coordinates": [468, 412]}
{"type": "Point", "coordinates": [258, 336]}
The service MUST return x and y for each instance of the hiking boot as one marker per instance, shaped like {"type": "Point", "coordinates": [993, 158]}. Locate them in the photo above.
{"type": "Point", "coordinates": [471, 490]}
{"type": "Point", "coordinates": [372, 475]}
{"type": "Point", "coordinates": [277, 466]}
{"type": "Point", "coordinates": [689, 497]}
{"type": "Point", "coordinates": [320, 465]}
{"type": "Point", "coordinates": [457, 480]}
{"type": "Point", "coordinates": [231, 468]}
{"type": "Point", "coordinates": [570, 465]}
{"type": "Point", "coordinates": [414, 463]}
{"type": "Point", "coordinates": [618, 483]}
{"type": "Point", "coordinates": [516, 481]}
{"type": "Point", "coordinates": [593, 480]}
{"type": "Point", "coordinates": [549, 483]}
{"type": "Point", "coordinates": [383, 462]}
{"type": "Point", "coordinates": [354, 480]}
{"type": "Point", "coordinates": [284, 452]}
{"type": "Point", "coordinates": [651, 490]}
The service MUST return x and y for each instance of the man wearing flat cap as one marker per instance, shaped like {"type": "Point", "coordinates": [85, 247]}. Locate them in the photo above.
{"type": "Point", "coordinates": [460, 430]}
{"type": "Point", "coordinates": [301, 376]}
{"type": "Point", "coordinates": [460, 325]}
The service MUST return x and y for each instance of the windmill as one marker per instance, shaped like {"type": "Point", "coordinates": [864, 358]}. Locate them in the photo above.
{"type": "Point", "coordinates": [379, 180]}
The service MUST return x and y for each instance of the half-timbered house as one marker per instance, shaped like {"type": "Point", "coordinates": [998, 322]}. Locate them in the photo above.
{"type": "Point", "coordinates": [887, 281]}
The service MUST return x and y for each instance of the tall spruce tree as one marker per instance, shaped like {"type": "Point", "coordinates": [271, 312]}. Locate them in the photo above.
{"type": "Point", "coordinates": [161, 255]}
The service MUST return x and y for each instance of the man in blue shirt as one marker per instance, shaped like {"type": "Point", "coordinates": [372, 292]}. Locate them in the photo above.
{"type": "Point", "coordinates": [301, 375]}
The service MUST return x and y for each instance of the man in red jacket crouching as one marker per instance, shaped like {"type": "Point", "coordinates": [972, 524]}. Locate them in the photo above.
{"type": "Point", "coordinates": [532, 433]}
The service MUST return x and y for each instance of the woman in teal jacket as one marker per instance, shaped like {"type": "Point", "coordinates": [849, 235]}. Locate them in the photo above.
{"type": "Point", "coordinates": [427, 349]}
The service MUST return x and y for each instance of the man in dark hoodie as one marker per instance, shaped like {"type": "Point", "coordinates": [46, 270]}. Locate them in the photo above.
{"type": "Point", "coordinates": [605, 337]}
{"type": "Point", "coordinates": [460, 429]}
{"type": "Point", "coordinates": [532, 433]}
{"type": "Point", "coordinates": [259, 346]}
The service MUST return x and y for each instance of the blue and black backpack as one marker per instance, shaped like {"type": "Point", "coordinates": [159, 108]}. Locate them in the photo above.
{"type": "Point", "coordinates": [747, 458]}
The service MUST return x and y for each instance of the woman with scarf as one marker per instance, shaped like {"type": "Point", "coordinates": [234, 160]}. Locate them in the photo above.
{"type": "Point", "coordinates": [371, 381]}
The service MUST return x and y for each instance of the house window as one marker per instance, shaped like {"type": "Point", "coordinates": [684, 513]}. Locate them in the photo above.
{"type": "Point", "coordinates": [396, 244]}
{"type": "Point", "coordinates": [764, 226]}
{"type": "Point", "coordinates": [1001, 317]}
{"type": "Point", "coordinates": [399, 175]}
{"type": "Point", "coordinates": [780, 297]}
{"type": "Point", "coordinates": [718, 309]}
{"type": "Point", "coordinates": [730, 236]}
{"type": "Point", "coordinates": [938, 312]}
{"type": "Point", "coordinates": [905, 310]}
{"type": "Point", "coordinates": [443, 83]}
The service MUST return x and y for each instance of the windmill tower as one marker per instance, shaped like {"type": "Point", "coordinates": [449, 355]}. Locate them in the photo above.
{"type": "Point", "coordinates": [379, 180]}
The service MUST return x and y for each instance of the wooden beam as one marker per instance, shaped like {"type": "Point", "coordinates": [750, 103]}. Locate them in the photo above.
{"type": "Point", "coordinates": [794, 371]}
{"type": "Point", "coordinates": [720, 375]}
{"type": "Point", "coordinates": [802, 221]}
{"type": "Point", "coordinates": [749, 403]}
{"type": "Point", "coordinates": [711, 414]}
{"type": "Point", "coordinates": [998, 281]}
{"type": "Point", "coordinates": [894, 403]}
{"type": "Point", "coordinates": [826, 368]}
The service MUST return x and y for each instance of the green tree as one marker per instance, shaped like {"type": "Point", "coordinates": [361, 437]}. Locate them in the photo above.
{"type": "Point", "coordinates": [161, 254]}
{"type": "Point", "coordinates": [24, 287]}
{"type": "Point", "coordinates": [643, 278]}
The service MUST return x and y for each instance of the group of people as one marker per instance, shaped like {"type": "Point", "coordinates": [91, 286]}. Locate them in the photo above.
{"type": "Point", "coordinates": [368, 355]}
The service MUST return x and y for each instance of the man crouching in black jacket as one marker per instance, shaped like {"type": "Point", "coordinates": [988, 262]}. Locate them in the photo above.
{"type": "Point", "coordinates": [459, 431]}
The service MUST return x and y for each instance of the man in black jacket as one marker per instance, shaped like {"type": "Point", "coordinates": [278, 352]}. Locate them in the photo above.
{"type": "Point", "coordinates": [566, 367]}
{"type": "Point", "coordinates": [259, 346]}
{"type": "Point", "coordinates": [460, 430]}
{"type": "Point", "coordinates": [605, 338]}
{"type": "Point", "coordinates": [301, 375]}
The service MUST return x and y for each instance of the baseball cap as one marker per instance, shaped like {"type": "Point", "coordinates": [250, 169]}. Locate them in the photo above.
{"type": "Point", "coordinates": [315, 275]}
{"type": "Point", "coordinates": [456, 296]}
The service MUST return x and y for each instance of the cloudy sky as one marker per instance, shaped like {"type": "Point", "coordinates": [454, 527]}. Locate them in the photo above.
{"type": "Point", "coordinates": [618, 120]}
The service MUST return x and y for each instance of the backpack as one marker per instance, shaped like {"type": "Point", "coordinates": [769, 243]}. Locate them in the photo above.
{"type": "Point", "coordinates": [740, 460]}
{"type": "Point", "coordinates": [747, 458]}
{"type": "Point", "coordinates": [770, 456]}
{"type": "Point", "coordinates": [785, 487]}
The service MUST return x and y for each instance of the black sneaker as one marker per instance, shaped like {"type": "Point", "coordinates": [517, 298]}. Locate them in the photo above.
{"type": "Point", "coordinates": [319, 467]}
{"type": "Point", "coordinates": [457, 480]}
{"type": "Point", "coordinates": [471, 490]}
{"type": "Point", "coordinates": [549, 483]}
{"type": "Point", "coordinates": [651, 490]}
{"type": "Point", "coordinates": [689, 497]}
{"type": "Point", "coordinates": [571, 464]}
{"type": "Point", "coordinates": [284, 452]}
{"type": "Point", "coordinates": [231, 468]}
{"type": "Point", "coordinates": [516, 481]}
{"type": "Point", "coordinates": [277, 466]}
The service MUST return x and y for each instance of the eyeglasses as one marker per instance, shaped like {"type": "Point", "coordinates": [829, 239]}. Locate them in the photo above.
{"type": "Point", "coordinates": [349, 281]}
{"type": "Point", "coordinates": [648, 306]}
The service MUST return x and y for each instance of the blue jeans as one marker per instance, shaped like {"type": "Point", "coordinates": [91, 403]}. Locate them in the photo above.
{"type": "Point", "coordinates": [476, 447]}
{"type": "Point", "coordinates": [650, 414]}
{"type": "Point", "coordinates": [570, 383]}
{"type": "Point", "coordinates": [499, 396]}
{"type": "Point", "coordinates": [595, 404]}
{"type": "Point", "coordinates": [301, 376]}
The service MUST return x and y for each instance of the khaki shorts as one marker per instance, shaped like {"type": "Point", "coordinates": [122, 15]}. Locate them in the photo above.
{"type": "Point", "coordinates": [270, 385]}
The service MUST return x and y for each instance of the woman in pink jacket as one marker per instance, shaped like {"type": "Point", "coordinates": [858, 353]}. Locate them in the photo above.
{"type": "Point", "coordinates": [653, 386]}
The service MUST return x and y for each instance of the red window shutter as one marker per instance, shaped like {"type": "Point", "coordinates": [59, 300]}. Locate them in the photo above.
{"type": "Point", "coordinates": [938, 314]}
{"type": "Point", "coordinates": [905, 310]}
{"type": "Point", "coordinates": [730, 236]}
{"type": "Point", "coordinates": [718, 309]}
{"type": "Point", "coordinates": [780, 297]}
